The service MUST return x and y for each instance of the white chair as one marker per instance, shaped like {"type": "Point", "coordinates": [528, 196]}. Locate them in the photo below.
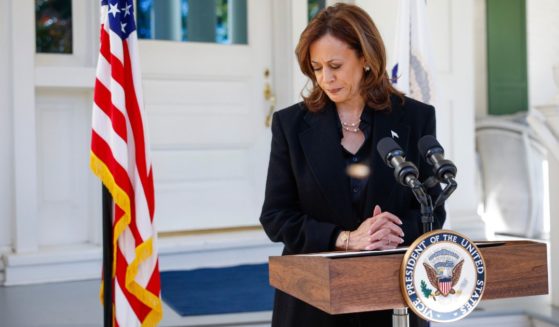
{"type": "Point", "coordinates": [513, 176]}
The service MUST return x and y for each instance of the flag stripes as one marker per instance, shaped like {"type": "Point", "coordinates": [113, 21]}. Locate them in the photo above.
{"type": "Point", "coordinates": [120, 158]}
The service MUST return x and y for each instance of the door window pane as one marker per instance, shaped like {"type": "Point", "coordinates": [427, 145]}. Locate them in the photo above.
{"type": "Point", "coordinates": [53, 26]}
{"type": "Point", "coordinates": [214, 21]}
{"type": "Point", "coordinates": [314, 7]}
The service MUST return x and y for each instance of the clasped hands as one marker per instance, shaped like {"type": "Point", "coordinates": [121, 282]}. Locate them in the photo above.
{"type": "Point", "coordinates": [382, 231]}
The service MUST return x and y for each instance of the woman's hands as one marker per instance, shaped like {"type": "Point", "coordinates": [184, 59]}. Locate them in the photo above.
{"type": "Point", "coordinates": [380, 232]}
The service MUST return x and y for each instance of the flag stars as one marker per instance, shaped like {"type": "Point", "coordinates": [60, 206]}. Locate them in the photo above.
{"type": "Point", "coordinates": [114, 9]}
{"type": "Point", "coordinates": [127, 10]}
{"type": "Point", "coordinates": [122, 19]}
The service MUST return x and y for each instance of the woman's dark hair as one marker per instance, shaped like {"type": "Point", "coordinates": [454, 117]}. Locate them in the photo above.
{"type": "Point", "coordinates": [354, 26]}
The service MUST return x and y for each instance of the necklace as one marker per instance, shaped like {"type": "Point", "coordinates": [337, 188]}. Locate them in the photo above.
{"type": "Point", "coordinates": [351, 124]}
{"type": "Point", "coordinates": [351, 127]}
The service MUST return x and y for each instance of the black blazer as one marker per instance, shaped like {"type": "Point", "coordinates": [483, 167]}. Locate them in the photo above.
{"type": "Point", "coordinates": [308, 200]}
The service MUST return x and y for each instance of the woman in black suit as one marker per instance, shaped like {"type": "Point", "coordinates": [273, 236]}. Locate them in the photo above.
{"type": "Point", "coordinates": [327, 187]}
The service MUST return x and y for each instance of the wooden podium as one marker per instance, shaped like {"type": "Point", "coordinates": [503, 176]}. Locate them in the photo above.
{"type": "Point", "coordinates": [370, 283]}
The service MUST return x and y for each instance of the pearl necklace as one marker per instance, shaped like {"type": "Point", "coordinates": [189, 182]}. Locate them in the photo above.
{"type": "Point", "coordinates": [351, 127]}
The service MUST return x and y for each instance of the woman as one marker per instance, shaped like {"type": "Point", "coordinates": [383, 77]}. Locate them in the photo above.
{"type": "Point", "coordinates": [312, 204]}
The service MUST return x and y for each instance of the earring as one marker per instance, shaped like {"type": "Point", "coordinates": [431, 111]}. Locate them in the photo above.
{"type": "Point", "coordinates": [367, 69]}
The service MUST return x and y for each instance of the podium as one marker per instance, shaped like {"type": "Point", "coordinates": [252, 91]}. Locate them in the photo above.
{"type": "Point", "coordinates": [349, 284]}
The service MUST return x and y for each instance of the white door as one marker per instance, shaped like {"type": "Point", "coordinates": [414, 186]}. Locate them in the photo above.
{"type": "Point", "coordinates": [206, 112]}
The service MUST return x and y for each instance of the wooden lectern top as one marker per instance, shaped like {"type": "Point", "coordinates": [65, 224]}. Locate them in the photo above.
{"type": "Point", "coordinates": [369, 283]}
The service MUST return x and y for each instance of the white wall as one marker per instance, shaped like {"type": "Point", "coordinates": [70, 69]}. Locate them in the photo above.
{"type": "Point", "coordinates": [6, 143]}
{"type": "Point", "coordinates": [543, 49]}
{"type": "Point", "coordinates": [452, 35]}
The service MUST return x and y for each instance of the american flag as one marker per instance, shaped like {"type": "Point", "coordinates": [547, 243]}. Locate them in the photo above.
{"type": "Point", "coordinates": [120, 158]}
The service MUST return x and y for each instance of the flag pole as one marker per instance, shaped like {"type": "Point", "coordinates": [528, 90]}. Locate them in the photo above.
{"type": "Point", "coordinates": [107, 257]}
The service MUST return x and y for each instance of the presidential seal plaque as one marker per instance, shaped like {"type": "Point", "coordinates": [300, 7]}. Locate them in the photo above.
{"type": "Point", "coordinates": [442, 276]}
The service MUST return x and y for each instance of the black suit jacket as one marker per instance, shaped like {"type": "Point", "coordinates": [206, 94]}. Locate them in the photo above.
{"type": "Point", "coordinates": [308, 200]}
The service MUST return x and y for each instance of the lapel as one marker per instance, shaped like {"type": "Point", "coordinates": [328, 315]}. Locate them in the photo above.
{"type": "Point", "coordinates": [381, 183]}
{"type": "Point", "coordinates": [322, 148]}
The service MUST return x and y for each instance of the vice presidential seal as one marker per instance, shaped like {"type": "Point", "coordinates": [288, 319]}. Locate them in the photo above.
{"type": "Point", "coordinates": [443, 276]}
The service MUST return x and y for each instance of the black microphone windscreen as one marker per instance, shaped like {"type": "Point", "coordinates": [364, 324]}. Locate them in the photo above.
{"type": "Point", "coordinates": [387, 145]}
{"type": "Point", "coordinates": [426, 143]}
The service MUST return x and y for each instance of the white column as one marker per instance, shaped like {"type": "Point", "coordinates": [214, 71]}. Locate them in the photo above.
{"type": "Point", "coordinates": [6, 161]}
{"type": "Point", "coordinates": [460, 125]}
{"type": "Point", "coordinates": [544, 121]}
{"type": "Point", "coordinates": [289, 20]}
{"type": "Point", "coordinates": [24, 127]}
{"type": "Point", "coordinates": [299, 12]}
{"type": "Point", "coordinates": [168, 24]}
{"type": "Point", "coordinates": [554, 229]}
{"type": "Point", "coordinates": [480, 59]}
{"type": "Point", "coordinates": [543, 87]}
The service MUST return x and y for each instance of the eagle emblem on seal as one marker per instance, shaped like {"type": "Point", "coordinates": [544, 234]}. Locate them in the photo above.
{"type": "Point", "coordinates": [444, 271]}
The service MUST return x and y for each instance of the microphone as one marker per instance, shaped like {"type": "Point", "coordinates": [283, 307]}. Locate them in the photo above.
{"type": "Point", "coordinates": [444, 170]}
{"type": "Point", "coordinates": [433, 152]}
{"type": "Point", "coordinates": [405, 172]}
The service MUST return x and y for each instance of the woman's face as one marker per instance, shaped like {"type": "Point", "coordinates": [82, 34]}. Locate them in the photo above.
{"type": "Point", "coordinates": [337, 69]}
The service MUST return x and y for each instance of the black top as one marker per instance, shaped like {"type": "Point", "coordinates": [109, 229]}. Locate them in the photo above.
{"type": "Point", "coordinates": [357, 185]}
{"type": "Point", "coordinates": [308, 198]}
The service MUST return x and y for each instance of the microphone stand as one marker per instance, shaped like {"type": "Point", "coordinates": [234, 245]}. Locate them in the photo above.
{"type": "Point", "coordinates": [400, 316]}
{"type": "Point", "coordinates": [424, 199]}
{"type": "Point", "coordinates": [450, 187]}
